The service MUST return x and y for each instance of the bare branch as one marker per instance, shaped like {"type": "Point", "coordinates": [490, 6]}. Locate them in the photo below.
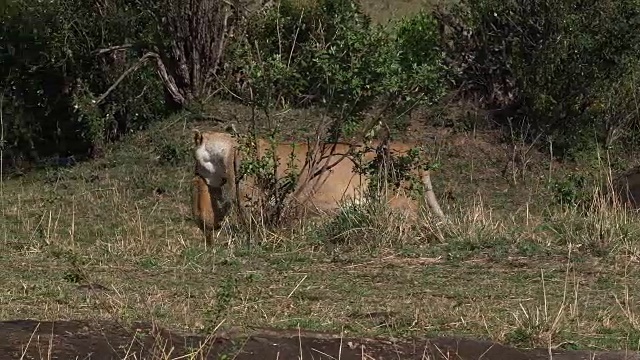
{"type": "Point", "coordinates": [111, 49]}
{"type": "Point", "coordinates": [430, 196]}
{"type": "Point", "coordinates": [133, 68]}
{"type": "Point", "coordinates": [168, 81]}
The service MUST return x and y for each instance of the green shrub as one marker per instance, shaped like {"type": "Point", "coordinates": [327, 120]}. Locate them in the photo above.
{"type": "Point", "coordinates": [571, 190]}
{"type": "Point", "coordinates": [552, 64]}
{"type": "Point", "coordinates": [52, 76]}
{"type": "Point", "coordinates": [329, 53]}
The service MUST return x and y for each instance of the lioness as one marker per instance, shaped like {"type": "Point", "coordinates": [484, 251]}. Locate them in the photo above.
{"type": "Point", "coordinates": [325, 183]}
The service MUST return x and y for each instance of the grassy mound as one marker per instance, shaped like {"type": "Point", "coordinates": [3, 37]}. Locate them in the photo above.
{"type": "Point", "coordinates": [113, 238]}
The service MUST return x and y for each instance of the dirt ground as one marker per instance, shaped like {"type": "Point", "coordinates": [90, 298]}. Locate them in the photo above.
{"type": "Point", "coordinates": [28, 339]}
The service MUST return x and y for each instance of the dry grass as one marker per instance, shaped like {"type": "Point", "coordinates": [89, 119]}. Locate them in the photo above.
{"type": "Point", "coordinates": [382, 11]}
{"type": "Point", "coordinates": [114, 239]}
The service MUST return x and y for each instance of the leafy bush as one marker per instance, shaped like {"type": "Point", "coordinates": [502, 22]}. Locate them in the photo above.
{"type": "Point", "coordinates": [330, 53]}
{"type": "Point", "coordinates": [52, 76]}
{"type": "Point", "coordinates": [571, 190]}
{"type": "Point", "coordinates": [552, 64]}
{"type": "Point", "coordinates": [59, 58]}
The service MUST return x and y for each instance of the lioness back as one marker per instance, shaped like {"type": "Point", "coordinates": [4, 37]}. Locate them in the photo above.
{"type": "Point", "coordinates": [325, 191]}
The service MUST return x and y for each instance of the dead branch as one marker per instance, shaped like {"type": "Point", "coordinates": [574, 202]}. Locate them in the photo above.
{"type": "Point", "coordinates": [167, 80]}
{"type": "Point", "coordinates": [133, 68]}
{"type": "Point", "coordinates": [112, 48]}
{"type": "Point", "coordinates": [430, 196]}
{"type": "Point", "coordinates": [189, 64]}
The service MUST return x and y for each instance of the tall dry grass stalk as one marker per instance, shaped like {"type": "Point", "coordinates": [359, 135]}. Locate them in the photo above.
{"type": "Point", "coordinates": [2, 144]}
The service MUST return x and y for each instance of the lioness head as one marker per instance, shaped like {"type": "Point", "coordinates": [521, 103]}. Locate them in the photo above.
{"type": "Point", "coordinates": [211, 154]}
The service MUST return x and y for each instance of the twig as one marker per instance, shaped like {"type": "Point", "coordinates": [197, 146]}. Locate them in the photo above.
{"type": "Point", "coordinates": [162, 71]}
{"type": "Point", "coordinates": [133, 68]}
{"type": "Point", "coordinates": [297, 286]}
{"type": "Point", "coordinates": [2, 150]}
{"type": "Point", "coordinates": [295, 38]}
{"type": "Point", "coordinates": [112, 48]}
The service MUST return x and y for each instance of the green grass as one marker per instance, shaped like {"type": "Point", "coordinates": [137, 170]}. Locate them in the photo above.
{"type": "Point", "coordinates": [542, 277]}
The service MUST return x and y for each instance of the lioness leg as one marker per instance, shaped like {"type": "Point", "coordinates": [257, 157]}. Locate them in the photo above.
{"type": "Point", "coordinates": [203, 209]}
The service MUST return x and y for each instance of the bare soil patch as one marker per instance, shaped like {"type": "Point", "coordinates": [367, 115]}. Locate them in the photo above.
{"type": "Point", "coordinates": [108, 340]}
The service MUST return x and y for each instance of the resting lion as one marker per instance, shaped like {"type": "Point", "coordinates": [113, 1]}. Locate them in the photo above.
{"type": "Point", "coordinates": [218, 157]}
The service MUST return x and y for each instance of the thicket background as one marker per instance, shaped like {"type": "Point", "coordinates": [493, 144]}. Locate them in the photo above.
{"type": "Point", "coordinates": [566, 71]}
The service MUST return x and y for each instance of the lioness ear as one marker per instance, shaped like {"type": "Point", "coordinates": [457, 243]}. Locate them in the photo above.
{"type": "Point", "coordinates": [197, 137]}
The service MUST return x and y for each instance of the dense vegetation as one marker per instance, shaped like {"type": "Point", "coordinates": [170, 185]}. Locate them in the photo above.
{"type": "Point", "coordinates": [78, 74]}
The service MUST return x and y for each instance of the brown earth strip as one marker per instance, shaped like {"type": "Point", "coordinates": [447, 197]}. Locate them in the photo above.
{"type": "Point", "coordinates": [28, 339]}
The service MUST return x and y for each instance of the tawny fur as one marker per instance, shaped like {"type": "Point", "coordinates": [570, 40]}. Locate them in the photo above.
{"type": "Point", "coordinates": [202, 209]}
{"type": "Point", "coordinates": [215, 153]}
